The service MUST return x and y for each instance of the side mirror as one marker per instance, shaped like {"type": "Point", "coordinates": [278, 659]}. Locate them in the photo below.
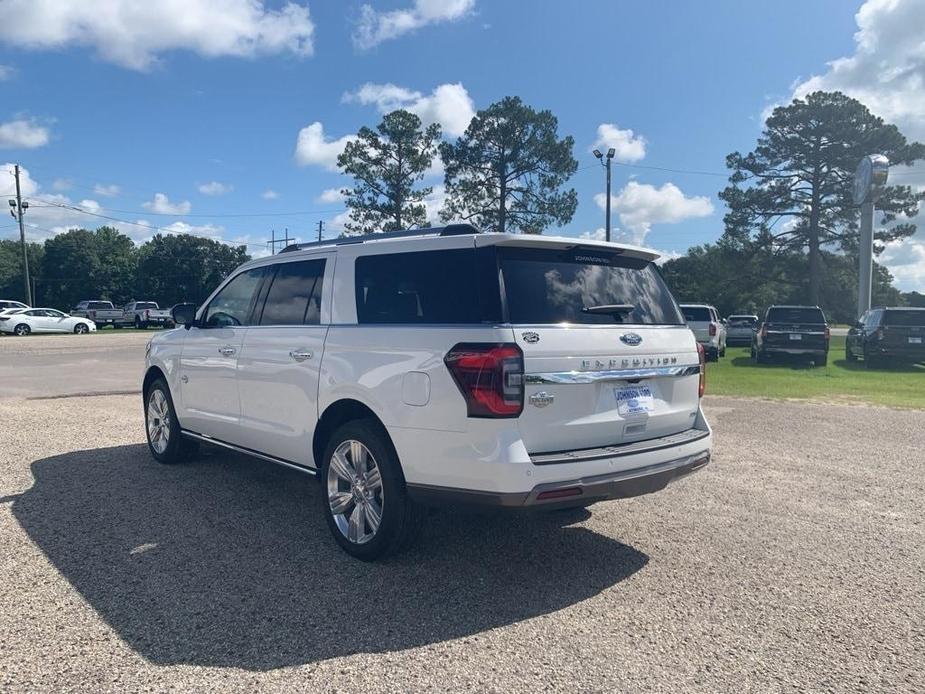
{"type": "Point", "coordinates": [184, 314]}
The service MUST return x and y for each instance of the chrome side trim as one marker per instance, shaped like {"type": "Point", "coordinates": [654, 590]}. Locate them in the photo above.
{"type": "Point", "coordinates": [247, 451]}
{"type": "Point", "coordinates": [567, 377]}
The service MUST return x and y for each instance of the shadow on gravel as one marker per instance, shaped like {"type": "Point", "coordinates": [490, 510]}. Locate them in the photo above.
{"type": "Point", "coordinates": [228, 562]}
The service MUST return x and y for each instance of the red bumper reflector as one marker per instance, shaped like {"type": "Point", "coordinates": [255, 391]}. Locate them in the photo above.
{"type": "Point", "coordinates": [559, 493]}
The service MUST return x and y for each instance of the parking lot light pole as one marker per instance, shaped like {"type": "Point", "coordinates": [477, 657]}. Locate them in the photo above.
{"type": "Point", "coordinates": [606, 164]}
{"type": "Point", "coordinates": [869, 179]}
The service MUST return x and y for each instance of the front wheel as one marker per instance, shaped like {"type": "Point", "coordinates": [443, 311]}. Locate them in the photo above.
{"type": "Point", "coordinates": [364, 498]}
{"type": "Point", "coordinates": [81, 329]}
{"type": "Point", "coordinates": [165, 441]}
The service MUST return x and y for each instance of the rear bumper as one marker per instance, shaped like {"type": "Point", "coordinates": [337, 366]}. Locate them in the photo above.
{"type": "Point", "coordinates": [569, 493]}
{"type": "Point", "coordinates": [795, 351]}
{"type": "Point", "coordinates": [910, 353]}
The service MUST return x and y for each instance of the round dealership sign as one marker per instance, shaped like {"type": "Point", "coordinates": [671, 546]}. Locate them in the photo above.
{"type": "Point", "coordinates": [869, 177]}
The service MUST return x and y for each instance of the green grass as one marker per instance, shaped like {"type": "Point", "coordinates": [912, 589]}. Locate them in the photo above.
{"type": "Point", "coordinates": [838, 381]}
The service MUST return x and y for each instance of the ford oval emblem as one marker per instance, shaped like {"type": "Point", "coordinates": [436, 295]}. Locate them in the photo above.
{"type": "Point", "coordinates": [531, 337]}
{"type": "Point", "coordinates": [631, 339]}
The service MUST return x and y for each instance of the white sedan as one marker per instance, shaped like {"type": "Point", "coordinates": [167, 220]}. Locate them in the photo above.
{"type": "Point", "coordinates": [43, 320]}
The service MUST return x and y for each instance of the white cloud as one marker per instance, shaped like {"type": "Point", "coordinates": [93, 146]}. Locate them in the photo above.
{"type": "Point", "coordinates": [599, 234]}
{"type": "Point", "coordinates": [22, 134]}
{"type": "Point", "coordinates": [448, 104]}
{"type": "Point", "coordinates": [215, 188]}
{"type": "Point", "coordinates": [107, 191]}
{"type": "Point", "coordinates": [374, 27]}
{"type": "Point", "coordinates": [7, 72]}
{"type": "Point", "coordinates": [640, 205]}
{"type": "Point", "coordinates": [629, 146]}
{"type": "Point", "coordinates": [330, 196]}
{"type": "Point", "coordinates": [162, 205]}
{"type": "Point", "coordinates": [312, 148]}
{"type": "Point", "coordinates": [906, 262]}
{"type": "Point", "coordinates": [269, 194]}
{"type": "Point", "coordinates": [133, 34]}
{"type": "Point", "coordinates": [62, 184]}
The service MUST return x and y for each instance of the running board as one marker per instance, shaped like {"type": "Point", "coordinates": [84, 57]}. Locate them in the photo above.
{"type": "Point", "coordinates": [247, 451]}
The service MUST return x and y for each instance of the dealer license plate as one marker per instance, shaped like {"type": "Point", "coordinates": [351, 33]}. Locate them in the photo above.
{"type": "Point", "coordinates": [634, 400]}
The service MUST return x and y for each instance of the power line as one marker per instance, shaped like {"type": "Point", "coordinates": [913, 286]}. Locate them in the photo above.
{"type": "Point", "coordinates": [146, 226]}
{"type": "Point", "coordinates": [46, 203]}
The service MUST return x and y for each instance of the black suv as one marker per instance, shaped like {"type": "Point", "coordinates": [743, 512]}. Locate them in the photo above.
{"type": "Point", "coordinates": [887, 334]}
{"type": "Point", "coordinates": [799, 331]}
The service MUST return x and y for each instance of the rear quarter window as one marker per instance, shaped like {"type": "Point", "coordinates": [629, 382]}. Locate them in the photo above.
{"type": "Point", "coordinates": [437, 287]}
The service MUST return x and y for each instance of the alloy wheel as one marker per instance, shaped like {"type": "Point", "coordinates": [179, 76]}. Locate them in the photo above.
{"type": "Point", "coordinates": [158, 421]}
{"type": "Point", "coordinates": [81, 329]}
{"type": "Point", "coordinates": [355, 494]}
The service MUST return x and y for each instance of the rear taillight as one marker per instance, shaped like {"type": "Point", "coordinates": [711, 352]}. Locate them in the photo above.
{"type": "Point", "coordinates": [490, 377]}
{"type": "Point", "coordinates": [828, 333]}
{"type": "Point", "coordinates": [764, 330]}
{"type": "Point", "coordinates": [703, 370]}
{"type": "Point", "coordinates": [879, 333]}
{"type": "Point", "coordinates": [91, 314]}
{"type": "Point", "coordinates": [147, 313]}
{"type": "Point", "coordinates": [712, 329]}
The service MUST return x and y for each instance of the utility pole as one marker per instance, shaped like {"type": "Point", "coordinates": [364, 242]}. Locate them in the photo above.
{"type": "Point", "coordinates": [606, 164]}
{"type": "Point", "coordinates": [869, 180]}
{"type": "Point", "coordinates": [320, 229]}
{"type": "Point", "coordinates": [17, 208]}
{"type": "Point", "coordinates": [273, 240]}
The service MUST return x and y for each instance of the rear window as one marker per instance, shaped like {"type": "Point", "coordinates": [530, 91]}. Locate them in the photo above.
{"type": "Point", "coordinates": [795, 315]}
{"type": "Point", "coordinates": [587, 286]}
{"type": "Point", "coordinates": [905, 318]}
{"type": "Point", "coordinates": [143, 305]}
{"type": "Point", "coordinates": [696, 314]}
{"type": "Point", "coordinates": [438, 287]}
{"type": "Point", "coordinates": [99, 304]}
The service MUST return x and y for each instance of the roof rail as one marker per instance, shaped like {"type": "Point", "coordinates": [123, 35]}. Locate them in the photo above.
{"type": "Point", "coordinates": [448, 230]}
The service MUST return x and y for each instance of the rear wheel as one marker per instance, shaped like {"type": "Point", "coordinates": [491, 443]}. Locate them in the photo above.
{"type": "Point", "coordinates": [81, 329]}
{"type": "Point", "coordinates": [849, 355]}
{"type": "Point", "coordinates": [137, 323]}
{"type": "Point", "coordinates": [22, 330]}
{"type": "Point", "coordinates": [364, 497]}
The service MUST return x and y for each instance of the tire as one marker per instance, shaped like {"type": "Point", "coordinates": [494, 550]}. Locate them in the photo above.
{"type": "Point", "coordinates": [169, 447]}
{"type": "Point", "coordinates": [22, 330]}
{"type": "Point", "coordinates": [713, 355]}
{"type": "Point", "coordinates": [849, 355]}
{"type": "Point", "coordinates": [722, 352]}
{"type": "Point", "coordinates": [759, 357]}
{"type": "Point", "coordinates": [353, 495]}
{"type": "Point", "coordinates": [81, 329]}
{"type": "Point", "coordinates": [137, 323]}
{"type": "Point", "coordinates": [870, 361]}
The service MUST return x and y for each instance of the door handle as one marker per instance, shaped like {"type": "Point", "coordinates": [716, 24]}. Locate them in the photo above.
{"type": "Point", "coordinates": [226, 351]}
{"type": "Point", "coordinates": [300, 354]}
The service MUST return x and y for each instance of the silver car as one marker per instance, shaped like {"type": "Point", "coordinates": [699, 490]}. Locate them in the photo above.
{"type": "Point", "coordinates": [740, 328]}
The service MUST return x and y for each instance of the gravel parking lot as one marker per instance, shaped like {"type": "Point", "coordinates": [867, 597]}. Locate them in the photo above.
{"type": "Point", "coordinates": [795, 562]}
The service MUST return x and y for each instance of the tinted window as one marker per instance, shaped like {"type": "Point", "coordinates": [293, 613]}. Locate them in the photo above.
{"type": "Point", "coordinates": [696, 314]}
{"type": "Point", "coordinates": [232, 305]}
{"type": "Point", "coordinates": [904, 318]}
{"type": "Point", "coordinates": [781, 314]}
{"type": "Point", "coordinates": [142, 305]}
{"type": "Point", "coordinates": [743, 320]}
{"type": "Point", "coordinates": [294, 297]}
{"type": "Point", "coordinates": [424, 287]}
{"type": "Point", "coordinates": [548, 286]}
{"type": "Point", "coordinates": [99, 304]}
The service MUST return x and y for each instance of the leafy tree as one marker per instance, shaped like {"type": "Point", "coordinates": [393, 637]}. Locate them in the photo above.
{"type": "Point", "coordinates": [182, 267]}
{"type": "Point", "coordinates": [11, 285]}
{"type": "Point", "coordinates": [506, 171]}
{"type": "Point", "coordinates": [801, 175]}
{"type": "Point", "coordinates": [83, 264]}
{"type": "Point", "coordinates": [913, 298]}
{"type": "Point", "coordinates": [386, 163]}
{"type": "Point", "coordinates": [749, 280]}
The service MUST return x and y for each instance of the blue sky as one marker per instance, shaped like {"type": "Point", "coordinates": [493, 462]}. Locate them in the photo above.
{"type": "Point", "coordinates": [176, 121]}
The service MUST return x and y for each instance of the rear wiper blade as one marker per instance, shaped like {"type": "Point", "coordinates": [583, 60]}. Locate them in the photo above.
{"type": "Point", "coordinates": [609, 308]}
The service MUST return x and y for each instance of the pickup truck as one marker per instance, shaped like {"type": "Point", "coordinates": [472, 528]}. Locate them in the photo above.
{"type": "Point", "coordinates": [141, 314]}
{"type": "Point", "coordinates": [100, 312]}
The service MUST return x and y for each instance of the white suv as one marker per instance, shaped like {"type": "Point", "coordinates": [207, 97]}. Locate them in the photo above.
{"type": "Point", "coordinates": [438, 366]}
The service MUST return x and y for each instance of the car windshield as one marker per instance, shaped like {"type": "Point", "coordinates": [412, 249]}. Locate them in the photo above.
{"type": "Point", "coordinates": [696, 314]}
{"type": "Point", "coordinates": [798, 314]}
{"type": "Point", "coordinates": [907, 318]}
{"type": "Point", "coordinates": [589, 286]}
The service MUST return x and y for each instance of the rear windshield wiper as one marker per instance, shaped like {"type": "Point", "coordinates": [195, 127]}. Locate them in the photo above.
{"type": "Point", "coordinates": [609, 309]}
